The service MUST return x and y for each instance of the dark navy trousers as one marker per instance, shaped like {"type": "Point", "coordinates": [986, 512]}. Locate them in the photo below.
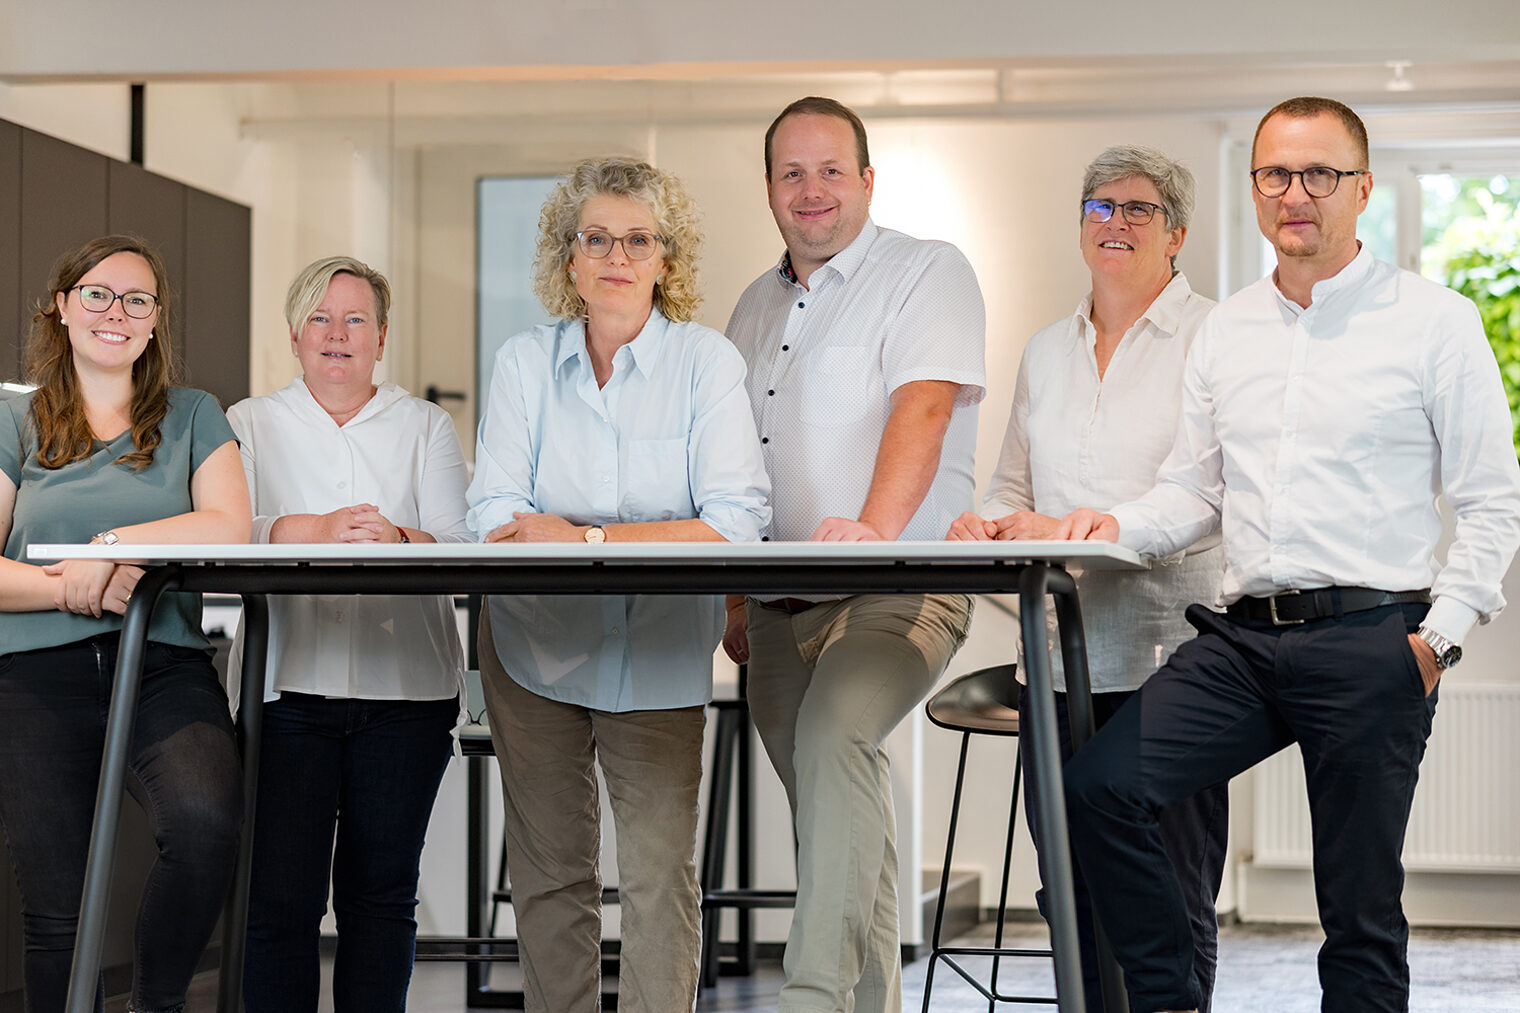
{"type": "Point", "coordinates": [1349, 692]}
{"type": "Point", "coordinates": [1194, 832]}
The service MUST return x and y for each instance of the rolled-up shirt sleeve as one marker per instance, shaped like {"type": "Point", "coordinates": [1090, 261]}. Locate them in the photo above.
{"type": "Point", "coordinates": [441, 491]}
{"type": "Point", "coordinates": [729, 484]}
{"type": "Point", "coordinates": [1012, 485]}
{"type": "Point", "coordinates": [504, 455]}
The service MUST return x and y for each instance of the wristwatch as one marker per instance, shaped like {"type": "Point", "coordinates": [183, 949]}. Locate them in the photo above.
{"type": "Point", "coordinates": [596, 534]}
{"type": "Point", "coordinates": [1448, 652]}
{"type": "Point", "coordinates": [105, 538]}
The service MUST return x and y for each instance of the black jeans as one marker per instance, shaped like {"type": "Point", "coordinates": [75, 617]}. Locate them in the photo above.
{"type": "Point", "coordinates": [364, 772]}
{"type": "Point", "coordinates": [183, 771]}
{"type": "Point", "coordinates": [1194, 832]}
{"type": "Point", "coordinates": [1348, 691]}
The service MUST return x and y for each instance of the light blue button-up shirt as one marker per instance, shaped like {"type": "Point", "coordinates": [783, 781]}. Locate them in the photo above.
{"type": "Point", "coordinates": [670, 436]}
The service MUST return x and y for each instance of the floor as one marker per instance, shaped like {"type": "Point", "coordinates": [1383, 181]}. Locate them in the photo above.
{"type": "Point", "coordinates": [1262, 968]}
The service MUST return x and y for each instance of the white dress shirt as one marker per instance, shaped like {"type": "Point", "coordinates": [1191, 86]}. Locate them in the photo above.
{"type": "Point", "coordinates": [669, 437]}
{"type": "Point", "coordinates": [1075, 440]}
{"type": "Point", "coordinates": [1320, 437]}
{"type": "Point", "coordinates": [823, 364]}
{"type": "Point", "coordinates": [399, 453]}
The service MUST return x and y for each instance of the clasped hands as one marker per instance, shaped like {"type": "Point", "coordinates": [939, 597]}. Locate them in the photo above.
{"type": "Point", "coordinates": [92, 587]}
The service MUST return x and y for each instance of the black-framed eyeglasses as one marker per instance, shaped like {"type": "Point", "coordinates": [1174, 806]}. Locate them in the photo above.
{"type": "Point", "coordinates": [1318, 180]}
{"type": "Point", "coordinates": [98, 299]}
{"type": "Point", "coordinates": [1136, 212]}
{"type": "Point", "coordinates": [636, 245]}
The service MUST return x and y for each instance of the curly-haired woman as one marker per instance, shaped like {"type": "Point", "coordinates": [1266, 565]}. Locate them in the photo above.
{"type": "Point", "coordinates": [624, 421]}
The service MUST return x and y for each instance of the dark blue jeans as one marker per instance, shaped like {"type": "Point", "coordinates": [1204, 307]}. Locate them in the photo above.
{"type": "Point", "coordinates": [346, 788]}
{"type": "Point", "coordinates": [183, 771]}
{"type": "Point", "coordinates": [1194, 832]}
{"type": "Point", "coordinates": [1349, 693]}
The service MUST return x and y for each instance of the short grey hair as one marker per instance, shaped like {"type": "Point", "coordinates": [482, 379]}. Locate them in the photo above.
{"type": "Point", "coordinates": [1173, 181]}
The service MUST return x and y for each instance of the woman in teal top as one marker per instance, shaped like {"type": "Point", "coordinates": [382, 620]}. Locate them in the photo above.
{"type": "Point", "coordinates": [106, 450]}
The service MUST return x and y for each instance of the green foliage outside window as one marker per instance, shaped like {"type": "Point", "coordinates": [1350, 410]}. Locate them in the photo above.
{"type": "Point", "coordinates": [1472, 244]}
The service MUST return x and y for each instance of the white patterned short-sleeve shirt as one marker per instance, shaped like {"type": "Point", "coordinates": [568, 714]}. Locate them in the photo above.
{"type": "Point", "coordinates": [823, 362]}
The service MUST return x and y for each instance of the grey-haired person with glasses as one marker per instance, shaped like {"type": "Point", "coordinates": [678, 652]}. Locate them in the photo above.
{"type": "Point", "coordinates": [1094, 412]}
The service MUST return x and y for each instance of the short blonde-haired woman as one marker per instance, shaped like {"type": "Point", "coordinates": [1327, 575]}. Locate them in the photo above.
{"type": "Point", "coordinates": [624, 421]}
{"type": "Point", "coordinates": [363, 692]}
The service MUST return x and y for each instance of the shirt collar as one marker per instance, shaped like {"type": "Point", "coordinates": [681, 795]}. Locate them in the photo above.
{"type": "Point", "coordinates": [1164, 312]}
{"type": "Point", "coordinates": [1349, 277]}
{"type": "Point", "coordinates": [845, 263]}
{"type": "Point", "coordinates": [645, 347]}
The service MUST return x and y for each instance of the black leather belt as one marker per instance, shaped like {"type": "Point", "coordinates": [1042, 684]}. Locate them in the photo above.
{"type": "Point", "coordinates": [1289, 608]}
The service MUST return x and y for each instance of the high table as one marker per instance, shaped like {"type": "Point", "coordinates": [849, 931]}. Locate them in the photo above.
{"type": "Point", "coordinates": [1030, 569]}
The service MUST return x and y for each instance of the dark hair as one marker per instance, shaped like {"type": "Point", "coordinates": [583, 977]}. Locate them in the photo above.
{"type": "Point", "coordinates": [1307, 107]}
{"type": "Point", "coordinates": [57, 411]}
{"type": "Point", "coordinates": [815, 105]}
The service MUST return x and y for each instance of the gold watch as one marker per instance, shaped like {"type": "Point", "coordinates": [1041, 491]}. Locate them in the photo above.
{"type": "Point", "coordinates": [596, 534]}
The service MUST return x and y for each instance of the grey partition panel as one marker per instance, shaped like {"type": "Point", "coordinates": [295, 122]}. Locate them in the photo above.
{"type": "Point", "coordinates": [12, 325]}
{"type": "Point", "coordinates": [63, 207]}
{"type": "Point", "coordinates": [152, 207]}
{"type": "Point", "coordinates": [218, 266]}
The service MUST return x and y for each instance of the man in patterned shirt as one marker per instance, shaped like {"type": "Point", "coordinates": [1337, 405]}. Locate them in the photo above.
{"type": "Point", "coordinates": [865, 365]}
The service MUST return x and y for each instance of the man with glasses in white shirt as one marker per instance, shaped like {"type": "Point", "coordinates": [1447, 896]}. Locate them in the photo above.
{"type": "Point", "coordinates": [864, 349]}
{"type": "Point", "coordinates": [1323, 409]}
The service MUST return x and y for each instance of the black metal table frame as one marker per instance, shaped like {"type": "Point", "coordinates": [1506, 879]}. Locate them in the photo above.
{"type": "Point", "coordinates": [1031, 579]}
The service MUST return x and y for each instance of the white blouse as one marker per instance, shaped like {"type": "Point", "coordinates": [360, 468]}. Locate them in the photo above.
{"type": "Point", "coordinates": [1077, 440]}
{"type": "Point", "coordinates": [399, 453]}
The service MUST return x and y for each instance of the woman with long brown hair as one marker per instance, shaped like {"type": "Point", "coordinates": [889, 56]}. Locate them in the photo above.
{"type": "Point", "coordinates": [107, 450]}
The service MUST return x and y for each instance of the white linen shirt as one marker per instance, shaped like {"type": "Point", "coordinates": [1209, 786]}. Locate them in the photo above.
{"type": "Point", "coordinates": [399, 453]}
{"type": "Point", "coordinates": [823, 363]}
{"type": "Point", "coordinates": [669, 437]}
{"type": "Point", "coordinates": [1074, 439]}
{"type": "Point", "coordinates": [1319, 439]}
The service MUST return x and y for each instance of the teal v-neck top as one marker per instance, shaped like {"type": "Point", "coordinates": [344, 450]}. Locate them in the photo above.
{"type": "Point", "coordinates": [79, 500]}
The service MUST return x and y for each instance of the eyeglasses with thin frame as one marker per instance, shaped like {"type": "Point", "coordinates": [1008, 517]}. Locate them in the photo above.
{"type": "Point", "coordinates": [1319, 180]}
{"type": "Point", "coordinates": [1136, 212]}
{"type": "Point", "coordinates": [98, 299]}
{"type": "Point", "coordinates": [597, 244]}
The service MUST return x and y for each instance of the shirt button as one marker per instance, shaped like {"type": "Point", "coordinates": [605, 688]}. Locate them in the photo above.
{"type": "Point", "coordinates": [770, 393]}
{"type": "Point", "coordinates": [614, 629]}
{"type": "Point", "coordinates": [606, 478]}
{"type": "Point", "coordinates": [765, 538]}
{"type": "Point", "coordinates": [338, 615]}
{"type": "Point", "coordinates": [786, 348]}
{"type": "Point", "coordinates": [800, 305]}
{"type": "Point", "coordinates": [342, 485]}
{"type": "Point", "coordinates": [765, 439]}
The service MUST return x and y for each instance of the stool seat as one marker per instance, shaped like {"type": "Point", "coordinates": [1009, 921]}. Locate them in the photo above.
{"type": "Point", "coordinates": [985, 702]}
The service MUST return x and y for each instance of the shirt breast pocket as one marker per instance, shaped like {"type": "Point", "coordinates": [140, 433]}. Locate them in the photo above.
{"type": "Point", "coordinates": [838, 382]}
{"type": "Point", "coordinates": [657, 487]}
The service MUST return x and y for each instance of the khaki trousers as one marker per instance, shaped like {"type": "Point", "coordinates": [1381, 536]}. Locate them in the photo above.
{"type": "Point", "coordinates": [826, 687]}
{"type": "Point", "coordinates": [652, 763]}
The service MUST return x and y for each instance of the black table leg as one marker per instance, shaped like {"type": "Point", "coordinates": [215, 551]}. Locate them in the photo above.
{"type": "Point", "coordinates": [1045, 748]}
{"type": "Point", "coordinates": [1080, 716]}
{"type": "Point", "coordinates": [90, 937]}
{"type": "Point", "coordinates": [250, 729]}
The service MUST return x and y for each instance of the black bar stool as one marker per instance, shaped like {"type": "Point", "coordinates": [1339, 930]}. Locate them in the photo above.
{"type": "Point", "coordinates": [985, 702]}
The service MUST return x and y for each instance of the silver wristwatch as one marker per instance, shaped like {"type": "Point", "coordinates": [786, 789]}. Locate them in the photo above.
{"type": "Point", "coordinates": [1448, 652]}
{"type": "Point", "coordinates": [105, 538]}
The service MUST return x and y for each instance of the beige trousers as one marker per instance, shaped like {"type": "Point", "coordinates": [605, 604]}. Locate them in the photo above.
{"type": "Point", "coordinates": [652, 763]}
{"type": "Point", "coordinates": [826, 687]}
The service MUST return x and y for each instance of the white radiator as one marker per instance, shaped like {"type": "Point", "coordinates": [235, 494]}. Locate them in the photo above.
{"type": "Point", "coordinates": [1466, 809]}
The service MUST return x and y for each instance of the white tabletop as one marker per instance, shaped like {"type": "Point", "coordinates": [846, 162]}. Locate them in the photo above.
{"type": "Point", "coordinates": [1092, 555]}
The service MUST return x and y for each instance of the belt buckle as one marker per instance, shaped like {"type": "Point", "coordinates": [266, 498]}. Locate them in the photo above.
{"type": "Point", "coordinates": [1272, 609]}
